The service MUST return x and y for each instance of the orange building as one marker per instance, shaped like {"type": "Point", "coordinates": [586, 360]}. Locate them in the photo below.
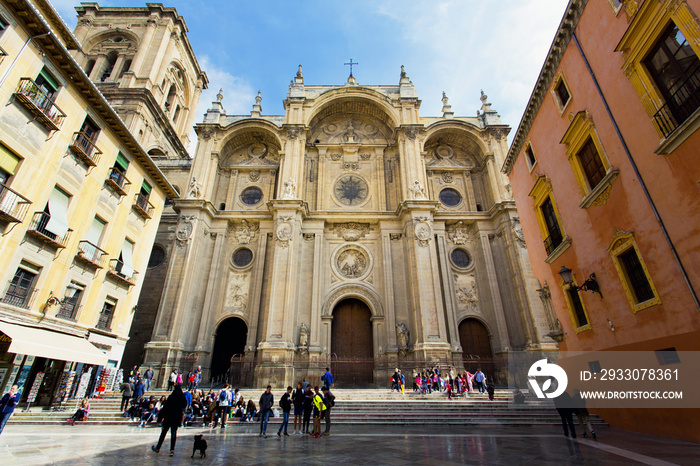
{"type": "Point", "coordinates": [604, 169]}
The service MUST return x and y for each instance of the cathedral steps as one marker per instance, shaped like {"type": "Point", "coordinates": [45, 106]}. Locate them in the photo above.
{"type": "Point", "coordinates": [357, 407]}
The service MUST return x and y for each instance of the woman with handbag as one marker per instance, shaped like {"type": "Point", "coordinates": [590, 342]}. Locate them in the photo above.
{"type": "Point", "coordinates": [171, 417]}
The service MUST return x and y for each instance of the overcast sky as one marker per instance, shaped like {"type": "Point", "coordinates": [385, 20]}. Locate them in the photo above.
{"type": "Point", "coordinates": [456, 46]}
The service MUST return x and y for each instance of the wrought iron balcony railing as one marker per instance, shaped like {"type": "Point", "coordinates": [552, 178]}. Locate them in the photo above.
{"type": "Point", "coordinates": [13, 206]}
{"type": "Point", "coordinates": [142, 206]}
{"type": "Point", "coordinates": [39, 103]}
{"type": "Point", "coordinates": [91, 254]}
{"type": "Point", "coordinates": [104, 322]}
{"type": "Point", "coordinates": [553, 241]}
{"type": "Point", "coordinates": [115, 271]}
{"type": "Point", "coordinates": [118, 181]}
{"type": "Point", "coordinates": [680, 106]}
{"type": "Point", "coordinates": [37, 228]}
{"type": "Point", "coordinates": [85, 149]}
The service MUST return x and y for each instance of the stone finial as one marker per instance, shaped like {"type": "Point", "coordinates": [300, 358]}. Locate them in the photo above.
{"type": "Point", "coordinates": [444, 98]}
{"type": "Point", "coordinates": [258, 98]}
{"type": "Point", "coordinates": [257, 109]}
{"type": "Point", "coordinates": [299, 73]}
{"type": "Point", "coordinates": [484, 97]}
{"type": "Point", "coordinates": [220, 95]}
{"type": "Point", "coordinates": [403, 72]}
{"type": "Point", "coordinates": [446, 109]}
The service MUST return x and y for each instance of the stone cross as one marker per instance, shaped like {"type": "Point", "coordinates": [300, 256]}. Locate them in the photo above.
{"type": "Point", "coordinates": [351, 63]}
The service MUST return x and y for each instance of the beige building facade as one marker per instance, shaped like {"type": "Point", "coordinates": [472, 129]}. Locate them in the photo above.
{"type": "Point", "coordinates": [350, 231]}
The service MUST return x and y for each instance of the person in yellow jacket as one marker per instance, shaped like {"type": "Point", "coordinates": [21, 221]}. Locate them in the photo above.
{"type": "Point", "coordinates": [319, 409]}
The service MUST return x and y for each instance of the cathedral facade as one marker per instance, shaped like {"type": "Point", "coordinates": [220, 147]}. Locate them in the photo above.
{"type": "Point", "coordinates": [350, 232]}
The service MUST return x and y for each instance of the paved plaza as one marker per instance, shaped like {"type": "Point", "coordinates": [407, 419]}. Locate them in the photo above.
{"type": "Point", "coordinates": [94, 444]}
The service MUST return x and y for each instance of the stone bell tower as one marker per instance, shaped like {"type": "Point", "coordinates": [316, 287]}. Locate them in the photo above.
{"type": "Point", "coordinates": [142, 61]}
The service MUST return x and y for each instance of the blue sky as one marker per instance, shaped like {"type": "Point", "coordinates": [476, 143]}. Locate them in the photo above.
{"type": "Point", "coordinates": [456, 46]}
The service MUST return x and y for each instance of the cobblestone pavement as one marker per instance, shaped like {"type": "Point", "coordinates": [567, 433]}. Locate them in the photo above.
{"type": "Point", "coordinates": [396, 445]}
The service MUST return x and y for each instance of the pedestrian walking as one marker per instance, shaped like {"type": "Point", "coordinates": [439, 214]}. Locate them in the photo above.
{"type": "Point", "coordinates": [579, 405]}
{"type": "Point", "coordinates": [225, 399]}
{"type": "Point", "coordinates": [172, 380]}
{"type": "Point", "coordinates": [171, 416]}
{"type": "Point", "coordinates": [298, 401]}
{"type": "Point", "coordinates": [127, 389]}
{"type": "Point", "coordinates": [491, 390]}
{"type": "Point", "coordinates": [329, 402]}
{"type": "Point", "coordinates": [197, 377]}
{"type": "Point", "coordinates": [178, 380]}
{"type": "Point", "coordinates": [267, 401]}
{"type": "Point", "coordinates": [148, 377]}
{"type": "Point", "coordinates": [327, 378]}
{"type": "Point", "coordinates": [286, 405]}
{"type": "Point", "coordinates": [304, 384]}
{"type": "Point", "coordinates": [479, 379]}
{"type": "Point", "coordinates": [564, 405]}
{"type": "Point", "coordinates": [7, 405]}
{"type": "Point", "coordinates": [139, 390]}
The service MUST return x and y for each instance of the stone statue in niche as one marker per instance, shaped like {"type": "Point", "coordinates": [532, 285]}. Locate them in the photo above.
{"type": "Point", "coordinates": [290, 189]}
{"type": "Point", "coordinates": [304, 336]}
{"type": "Point", "coordinates": [402, 335]}
{"type": "Point", "coordinates": [195, 190]}
{"type": "Point", "coordinates": [417, 191]}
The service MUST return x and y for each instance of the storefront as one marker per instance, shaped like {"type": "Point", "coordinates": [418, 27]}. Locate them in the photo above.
{"type": "Point", "coordinates": [47, 366]}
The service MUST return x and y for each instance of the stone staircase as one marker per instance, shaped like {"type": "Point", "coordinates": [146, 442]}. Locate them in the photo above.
{"type": "Point", "coordinates": [355, 407]}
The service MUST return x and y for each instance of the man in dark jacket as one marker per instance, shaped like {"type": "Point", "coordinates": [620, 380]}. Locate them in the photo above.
{"type": "Point", "coordinates": [139, 390]}
{"type": "Point", "coordinates": [171, 418]}
{"type": "Point", "coordinates": [298, 400]}
{"type": "Point", "coordinates": [148, 377]}
{"type": "Point", "coordinates": [7, 405]}
{"type": "Point", "coordinates": [329, 401]}
{"type": "Point", "coordinates": [327, 378]}
{"type": "Point", "coordinates": [267, 401]}
{"type": "Point", "coordinates": [127, 389]}
{"type": "Point", "coordinates": [286, 405]}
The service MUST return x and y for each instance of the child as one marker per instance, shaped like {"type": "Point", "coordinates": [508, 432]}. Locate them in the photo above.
{"type": "Point", "coordinates": [490, 389]}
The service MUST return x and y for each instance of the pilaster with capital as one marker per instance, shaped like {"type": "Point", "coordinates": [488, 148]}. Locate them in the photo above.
{"type": "Point", "coordinates": [413, 168]}
{"type": "Point", "coordinates": [212, 298]}
{"type": "Point", "coordinates": [503, 339]}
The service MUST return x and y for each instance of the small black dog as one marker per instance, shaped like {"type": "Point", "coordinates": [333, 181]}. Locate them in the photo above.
{"type": "Point", "coordinates": [201, 445]}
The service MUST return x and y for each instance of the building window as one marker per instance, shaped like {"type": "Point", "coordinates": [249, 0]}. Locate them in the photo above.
{"type": "Point", "coordinates": [157, 256]}
{"type": "Point", "coordinates": [634, 275]}
{"type": "Point", "coordinates": [576, 309]}
{"type": "Point", "coordinates": [530, 156]}
{"type": "Point", "coordinates": [69, 305]}
{"type": "Point", "coordinates": [675, 69]}
{"type": "Point", "coordinates": [450, 197]}
{"type": "Point", "coordinates": [21, 287]}
{"type": "Point", "coordinates": [251, 195]}
{"type": "Point", "coordinates": [560, 92]}
{"type": "Point", "coordinates": [660, 51]}
{"type": "Point", "coordinates": [592, 170]}
{"type": "Point", "coordinates": [47, 83]}
{"type": "Point", "coordinates": [555, 241]}
{"type": "Point", "coordinates": [242, 257]}
{"type": "Point", "coordinates": [460, 258]}
{"type": "Point", "coordinates": [592, 164]}
{"type": "Point", "coordinates": [8, 164]}
{"type": "Point", "coordinates": [104, 322]}
{"type": "Point", "coordinates": [3, 25]}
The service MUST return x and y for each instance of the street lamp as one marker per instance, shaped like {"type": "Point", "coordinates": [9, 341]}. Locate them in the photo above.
{"type": "Point", "coordinates": [589, 285]}
{"type": "Point", "coordinates": [71, 291]}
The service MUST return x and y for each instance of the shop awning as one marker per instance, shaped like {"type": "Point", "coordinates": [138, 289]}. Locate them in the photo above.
{"type": "Point", "coordinates": [34, 341]}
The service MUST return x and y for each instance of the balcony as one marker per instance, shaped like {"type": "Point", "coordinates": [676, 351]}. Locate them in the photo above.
{"type": "Point", "coordinates": [3, 54]}
{"type": "Point", "coordinates": [13, 206]}
{"type": "Point", "coordinates": [90, 254]}
{"type": "Point", "coordinates": [142, 206]}
{"type": "Point", "coordinates": [37, 229]}
{"type": "Point", "coordinates": [553, 241]}
{"type": "Point", "coordinates": [69, 309]}
{"type": "Point", "coordinates": [117, 181]}
{"type": "Point", "coordinates": [85, 149]}
{"type": "Point", "coordinates": [115, 272]}
{"type": "Point", "coordinates": [16, 295]}
{"type": "Point", "coordinates": [680, 106]}
{"type": "Point", "coordinates": [104, 322]}
{"type": "Point", "coordinates": [40, 104]}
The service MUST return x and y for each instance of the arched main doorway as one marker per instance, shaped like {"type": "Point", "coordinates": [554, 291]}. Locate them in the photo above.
{"type": "Point", "coordinates": [476, 347]}
{"type": "Point", "coordinates": [352, 351]}
{"type": "Point", "coordinates": [231, 335]}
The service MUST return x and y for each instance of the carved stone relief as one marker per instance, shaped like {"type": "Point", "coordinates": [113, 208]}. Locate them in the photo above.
{"type": "Point", "coordinates": [422, 230]}
{"type": "Point", "coordinates": [237, 291]}
{"type": "Point", "coordinates": [352, 262]}
{"type": "Point", "coordinates": [183, 234]}
{"type": "Point", "coordinates": [466, 292]}
{"type": "Point", "coordinates": [244, 230]}
{"type": "Point", "coordinates": [458, 232]}
{"type": "Point", "coordinates": [350, 231]}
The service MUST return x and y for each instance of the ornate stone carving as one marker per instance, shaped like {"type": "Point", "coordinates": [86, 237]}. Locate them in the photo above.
{"type": "Point", "coordinates": [447, 177]}
{"type": "Point", "coordinates": [365, 156]}
{"type": "Point", "coordinates": [352, 262]}
{"type": "Point", "coordinates": [237, 291]}
{"type": "Point", "coordinates": [195, 190]}
{"type": "Point", "coordinates": [183, 234]}
{"type": "Point", "coordinates": [444, 151]}
{"type": "Point", "coordinates": [244, 230]}
{"type": "Point", "coordinates": [290, 189]}
{"type": "Point", "coordinates": [336, 156]}
{"type": "Point", "coordinates": [293, 132]}
{"type": "Point", "coordinates": [422, 230]}
{"type": "Point", "coordinates": [417, 191]}
{"type": "Point", "coordinates": [458, 232]}
{"type": "Point", "coordinates": [351, 166]}
{"type": "Point", "coordinates": [411, 132]}
{"type": "Point", "coordinates": [603, 197]}
{"type": "Point", "coordinates": [466, 292]}
{"type": "Point", "coordinates": [394, 236]}
{"type": "Point", "coordinates": [518, 233]}
{"type": "Point", "coordinates": [308, 236]}
{"type": "Point", "coordinates": [206, 133]}
{"type": "Point", "coordinates": [402, 336]}
{"type": "Point", "coordinates": [254, 175]}
{"type": "Point", "coordinates": [556, 333]}
{"type": "Point", "coordinates": [353, 291]}
{"type": "Point", "coordinates": [284, 231]}
{"type": "Point", "coordinates": [351, 231]}
{"type": "Point", "coordinates": [304, 334]}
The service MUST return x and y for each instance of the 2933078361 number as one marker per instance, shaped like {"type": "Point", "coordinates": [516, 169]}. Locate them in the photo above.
{"type": "Point", "coordinates": [638, 374]}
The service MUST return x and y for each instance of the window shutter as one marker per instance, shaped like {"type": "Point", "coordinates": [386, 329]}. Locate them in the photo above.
{"type": "Point", "coordinates": [127, 259]}
{"type": "Point", "coordinates": [49, 79]}
{"type": "Point", "coordinates": [58, 209]}
{"type": "Point", "coordinates": [8, 160]}
{"type": "Point", "coordinates": [122, 162]}
{"type": "Point", "coordinates": [95, 232]}
{"type": "Point", "coordinates": [145, 187]}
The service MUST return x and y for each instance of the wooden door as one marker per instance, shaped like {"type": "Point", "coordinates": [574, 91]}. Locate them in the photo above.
{"type": "Point", "coordinates": [351, 344]}
{"type": "Point", "coordinates": [476, 347]}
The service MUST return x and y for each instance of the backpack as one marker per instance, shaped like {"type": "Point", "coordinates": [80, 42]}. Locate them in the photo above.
{"type": "Point", "coordinates": [223, 396]}
{"type": "Point", "coordinates": [331, 400]}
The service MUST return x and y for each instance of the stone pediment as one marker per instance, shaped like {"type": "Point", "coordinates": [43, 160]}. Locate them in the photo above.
{"type": "Point", "coordinates": [255, 156]}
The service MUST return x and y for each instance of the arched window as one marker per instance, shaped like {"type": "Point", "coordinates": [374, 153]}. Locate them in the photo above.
{"type": "Point", "coordinates": [109, 65]}
{"type": "Point", "coordinates": [171, 97]}
{"type": "Point", "coordinates": [90, 65]}
{"type": "Point", "coordinates": [125, 68]}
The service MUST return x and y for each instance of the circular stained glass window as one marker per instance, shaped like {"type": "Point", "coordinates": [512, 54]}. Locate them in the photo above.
{"type": "Point", "coordinates": [157, 256]}
{"type": "Point", "coordinates": [351, 190]}
{"type": "Point", "coordinates": [251, 195]}
{"type": "Point", "coordinates": [242, 257]}
{"type": "Point", "coordinates": [450, 197]}
{"type": "Point", "coordinates": [460, 258]}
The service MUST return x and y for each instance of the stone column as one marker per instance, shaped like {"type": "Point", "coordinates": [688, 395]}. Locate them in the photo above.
{"type": "Point", "coordinates": [142, 51]}
{"type": "Point", "coordinates": [315, 343]}
{"type": "Point", "coordinates": [390, 312]}
{"type": "Point", "coordinates": [504, 341]}
{"type": "Point", "coordinates": [256, 293]}
{"type": "Point", "coordinates": [448, 291]}
{"type": "Point", "coordinates": [205, 328]}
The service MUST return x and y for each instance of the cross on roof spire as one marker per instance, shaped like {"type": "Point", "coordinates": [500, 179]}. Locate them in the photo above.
{"type": "Point", "coordinates": [351, 63]}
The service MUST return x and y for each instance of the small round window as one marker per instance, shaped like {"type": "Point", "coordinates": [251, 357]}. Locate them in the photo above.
{"type": "Point", "coordinates": [157, 256]}
{"type": "Point", "coordinates": [460, 258]}
{"type": "Point", "coordinates": [251, 195]}
{"type": "Point", "coordinates": [242, 257]}
{"type": "Point", "coordinates": [450, 197]}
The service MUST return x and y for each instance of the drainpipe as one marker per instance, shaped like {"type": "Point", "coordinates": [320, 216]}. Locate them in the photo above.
{"type": "Point", "coordinates": [2, 81]}
{"type": "Point", "coordinates": [639, 177]}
